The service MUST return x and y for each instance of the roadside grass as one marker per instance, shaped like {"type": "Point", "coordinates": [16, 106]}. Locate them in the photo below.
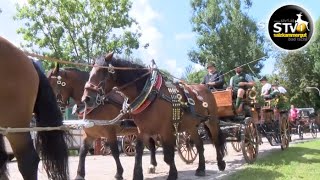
{"type": "Point", "coordinates": [300, 161]}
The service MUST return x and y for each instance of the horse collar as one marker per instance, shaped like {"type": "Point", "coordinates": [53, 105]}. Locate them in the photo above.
{"type": "Point", "coordinates": [146, 97]}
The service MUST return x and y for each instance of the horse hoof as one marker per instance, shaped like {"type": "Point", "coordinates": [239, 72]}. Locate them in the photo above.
{"type": "Point", "coordinates": [200, 173]}
{"type": "Point", "coordinates": [118, 177]}
{"type": "Point", "coordinates": [152, 170]}
{"type": "Point", "coordinates": [79, 178]}
{"type": "Point", "coordinates": [222, 165]}
{"type": "Point", "coordinates": [173, 177]}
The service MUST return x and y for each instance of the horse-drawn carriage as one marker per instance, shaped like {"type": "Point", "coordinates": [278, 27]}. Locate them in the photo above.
{"type": "Point", "coordinates": [244, 131]}
{"type": "Point", "coordinates": [274, 125]}
{"type": "Point", "coordinates": [240, 130]}
{"type": "Point", "coordinates": [304, 123]}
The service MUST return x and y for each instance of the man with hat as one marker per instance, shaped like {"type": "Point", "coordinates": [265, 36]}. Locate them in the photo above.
{"type": "Point", "coordinates": [278, 100]}
{"type": "Point", "coordinates": [239, 84]}
{"type": "Point", "coordinates": [266, 87]}
{"type": "Point", "coordinates": [214, 79]}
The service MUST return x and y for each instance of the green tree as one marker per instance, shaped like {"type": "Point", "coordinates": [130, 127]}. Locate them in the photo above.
{"type": "Point", "coordinates": [226, 35]}
{"type": "Point", "coordinates": [196, 77]}
{"type": "Point", "coordinates": [77, 30]}
{"type": "Point", "coordinates": [298, 70]}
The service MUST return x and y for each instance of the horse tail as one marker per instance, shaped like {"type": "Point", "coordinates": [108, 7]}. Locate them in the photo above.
{"type": "Point", "coordinates": [222, 141]}
{"type": "Point", "coordinates": [52, 145]}
{"type": "Point", "coordinates": [3, 158]}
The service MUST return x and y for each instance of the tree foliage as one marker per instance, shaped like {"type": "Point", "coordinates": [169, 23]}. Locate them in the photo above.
{"type": "Point", "coordinates": [226, 34]}
{"type": "Point", "coordinates": [78, 30]}
{"type": "Point", "coordinates": [196, 77]}
{"type": "Point", "coordinates": [298, 70]}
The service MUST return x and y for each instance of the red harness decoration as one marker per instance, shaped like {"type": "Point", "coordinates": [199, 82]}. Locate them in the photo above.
{"type": "Point", "coordinates": [146, 103]}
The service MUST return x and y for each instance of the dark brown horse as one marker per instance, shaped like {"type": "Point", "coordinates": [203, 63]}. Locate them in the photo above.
{"type": "Point", "coordinates": [24, 90]}
{"type": "Point", "coordinates": [157, 118]}
{"type": "Point", "coordinates": [69, 83]}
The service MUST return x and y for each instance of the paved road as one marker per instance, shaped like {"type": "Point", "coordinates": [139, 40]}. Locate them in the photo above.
{"type": "Point", "coordinates": [103, 167]}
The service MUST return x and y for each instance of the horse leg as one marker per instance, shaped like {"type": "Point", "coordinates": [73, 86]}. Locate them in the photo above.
{"type": "Point", "coordinates": [218, 139]}
{"type": "Point", "coordinates": [113, 143]}
{"type": "Point", "coordinates": [3, 159]}
{"type": "Point", "coordinates": [84, 149]}
{"type": "Point", "coordinates": [138, 172]}
{"type": "Point", "coordinates": [153, 160]}
{"type": "Point", "coordinates": [201, 170]}
{"type": "Point", "coordinates": [27, 157]}
{"type": "Point", "coordinates": [168, 152]}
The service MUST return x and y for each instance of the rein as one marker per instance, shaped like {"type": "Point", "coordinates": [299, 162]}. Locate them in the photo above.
{"type": "Point", "coordinates": [126, 108]}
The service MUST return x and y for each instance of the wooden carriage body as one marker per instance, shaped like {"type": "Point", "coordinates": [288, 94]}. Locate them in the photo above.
{"type": "Point", "coordinates": [224, 103]}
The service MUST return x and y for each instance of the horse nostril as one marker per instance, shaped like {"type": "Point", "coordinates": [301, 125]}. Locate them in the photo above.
{"type": "Point", "coordinates": [87, 99]}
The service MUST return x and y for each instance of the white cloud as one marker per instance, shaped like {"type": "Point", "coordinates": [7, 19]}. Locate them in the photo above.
{"type": "Point", "coordinates": [21, 2]}
{"type": "Point", "coordinates": [197, 67]}
{"type": "Point", "coordinates": [184, 36]}
{"type": "Point", "coordinates": [147, 17]}
{"type": "Point", "coordinates": [171, 66]}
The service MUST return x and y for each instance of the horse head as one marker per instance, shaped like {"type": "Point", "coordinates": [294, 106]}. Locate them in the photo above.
{"type": "Point", "coordinates": [67, 83]}
{"type": "Point", "coordinates": [108, 73]}
{"type": "Point", "coordinates": [95, 87]}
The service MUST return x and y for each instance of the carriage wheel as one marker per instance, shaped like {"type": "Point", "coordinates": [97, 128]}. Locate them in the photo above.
{"type": "Point", "coordinates": [236, 146]}
{"type": "Point", "coordinates": [186, 148]}
{"type": "Point", "coordinates": [250, 141]}
{"type": "Point", "coordinates": [105, 149]}
{"type": "Point", "coordinates": [313, 130]}
{"type": "Point", "coordinates": [284, 132]}
{"type": "Point", "coordinates": [129, 144]}
{"type": "Point", "coordinates": [300, 131]}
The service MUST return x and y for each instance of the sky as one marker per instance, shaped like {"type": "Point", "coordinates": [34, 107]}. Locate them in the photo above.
{"type": "Point", "coordinates": [166, 26]}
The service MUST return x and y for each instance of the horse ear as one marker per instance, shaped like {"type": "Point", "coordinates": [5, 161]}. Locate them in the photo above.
{"type": "Point", "coordinates": [109, 56]}
{"type": "Point", "coordinates": [56, 69]}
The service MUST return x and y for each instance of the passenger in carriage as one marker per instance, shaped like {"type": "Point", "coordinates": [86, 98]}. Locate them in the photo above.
{"type": "Point", "coordinates": [266, 87]}
{"type": "Point", "coordinates": [293, 115]}
{"type": "Point", "coordinates": [214, 79]}
{"type": "Point", "coordinates": [278, 100]}
{"type": "Point", "coordinates": [239, 83]}
{"type": "Point", "coordinates": [265, 90]}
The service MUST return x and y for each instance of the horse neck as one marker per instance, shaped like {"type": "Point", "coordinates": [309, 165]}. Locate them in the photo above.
{"type": "Point", "coordinates": [78, 84]}
{"type": "Point", "coordinates": [131, 92]}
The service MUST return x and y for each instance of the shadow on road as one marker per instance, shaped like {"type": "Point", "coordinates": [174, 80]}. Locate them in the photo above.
{"type": "Point", "coordinates": [187, 175]}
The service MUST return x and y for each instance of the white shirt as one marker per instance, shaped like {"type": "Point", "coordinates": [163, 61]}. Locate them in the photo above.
{"type": "Point", "coordinates": [282, 90]}
{"type": "Point", "coordinates": [265, 88]}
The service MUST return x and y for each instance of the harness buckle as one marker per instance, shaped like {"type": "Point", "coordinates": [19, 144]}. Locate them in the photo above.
{"type": "Point", "coordinates": [191, 102]}
{"type": "Point", "coordinates": [111, 69]}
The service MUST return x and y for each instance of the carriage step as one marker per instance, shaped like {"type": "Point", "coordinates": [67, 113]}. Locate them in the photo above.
{"type": "Point", "coordinates": [232, 139]}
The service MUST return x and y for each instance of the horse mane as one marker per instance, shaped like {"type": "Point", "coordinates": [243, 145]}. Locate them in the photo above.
{"type": "Point", "coordinates": [126, 76]}
{"type": "Point", "coordinates": [83, 74]}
